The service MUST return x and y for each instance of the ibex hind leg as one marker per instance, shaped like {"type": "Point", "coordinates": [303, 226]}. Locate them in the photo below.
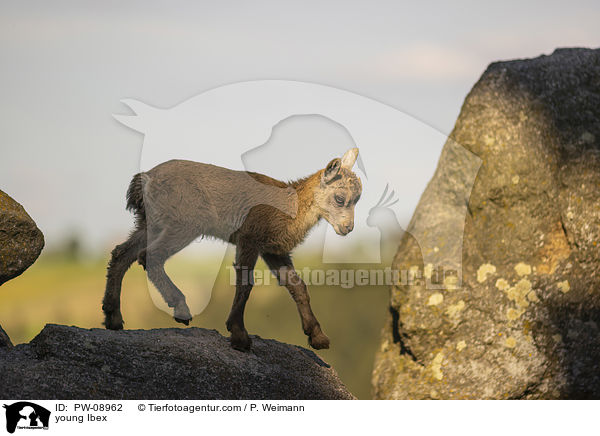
{"type": "Point", "coordinates": [156, 254]}
{"type": "Point", "coordinates": [121, 259]}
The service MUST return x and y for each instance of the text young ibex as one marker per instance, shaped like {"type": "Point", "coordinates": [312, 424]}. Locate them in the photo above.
{"type": "Point", "coordinates": [178, 201]}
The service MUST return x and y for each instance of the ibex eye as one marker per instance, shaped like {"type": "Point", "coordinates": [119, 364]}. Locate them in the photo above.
{"type": "Point", "coordinates": [340, 200]}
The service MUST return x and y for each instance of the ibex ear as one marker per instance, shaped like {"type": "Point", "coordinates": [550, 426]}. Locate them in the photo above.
{"type": "Point", "coordinates": [349, 158]}
{"type": "Point", "coordinates": [332, 170]}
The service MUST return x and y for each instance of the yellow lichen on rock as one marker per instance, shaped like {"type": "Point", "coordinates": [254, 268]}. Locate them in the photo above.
{"type": "Point", "coordinates": [518, 293]}
{"type": "Point", "coordinates": [454, 309]}
{"type": "Point", "coordinates": [523, 286]}
{"type": "Point", "coordinates": [435, 299]}
{"type": "Point", "coordinates": [484, 271]}
{"type": "Point", "coordinates": [564, 286]}
{"type": "Point", "coordinates": [532, 296]}
{"type": "Point", "coordinates": [523, 269]}
{"type": "Point", "coordinates": [502, 284]}
{"type": "Point", "coordinates": [513, 314]}
{"type": "Point", "coordinates": [436, 366]}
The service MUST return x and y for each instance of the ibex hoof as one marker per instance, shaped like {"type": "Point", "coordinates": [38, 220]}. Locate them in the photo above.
{"type": "Point", "coordinates": [113, 321]}
{"type": "Point", "coordinates": [241, 343]}
{"type": "Point", "coordinates": [319, 341]}
{"type": "Point", "coordinates": [182, 314]}
{"type": "Point", "coordinates": [183, 321]}
{"type": "Point", "coordinates": [240, 340]}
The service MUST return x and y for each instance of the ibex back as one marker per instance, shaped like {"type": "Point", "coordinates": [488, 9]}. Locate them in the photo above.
{"type": "Point", "coordinates": [178, 201]}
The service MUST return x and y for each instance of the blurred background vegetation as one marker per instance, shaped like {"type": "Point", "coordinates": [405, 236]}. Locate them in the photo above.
{"type": "Point", "coordinates": [66, 286]}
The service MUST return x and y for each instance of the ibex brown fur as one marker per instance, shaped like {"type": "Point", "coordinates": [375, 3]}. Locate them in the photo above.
{"type": "Point", "coordinates": [178, 201]}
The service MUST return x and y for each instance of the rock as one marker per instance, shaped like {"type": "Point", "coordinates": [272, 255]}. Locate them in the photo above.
{"type": "Point", "coordinates": [20, 240]}
{"type": "Point", "coordinates": [4, 339]}
{"type": "Point", "coordinates": [524, 322]}
{"type": "Point", "coordinates": [193, 363]}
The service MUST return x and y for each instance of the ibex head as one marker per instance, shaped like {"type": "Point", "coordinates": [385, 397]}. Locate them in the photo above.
{"type": "Point", "coordinates": [339, 191]}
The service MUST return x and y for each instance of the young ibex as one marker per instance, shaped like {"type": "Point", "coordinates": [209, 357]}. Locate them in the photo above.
{"type": "Point", "coordinates": [178, 201]}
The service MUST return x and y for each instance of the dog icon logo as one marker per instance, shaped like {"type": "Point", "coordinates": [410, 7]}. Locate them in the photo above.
{"type": "Point", "coordinates": [26, 415]}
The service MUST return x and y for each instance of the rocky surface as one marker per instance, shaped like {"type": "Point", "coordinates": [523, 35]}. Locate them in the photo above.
{"type": "Point", "coordinates": [20, 239]}
{"type": "Point", "coordinates": [524, 322]}
{"type": "Point", "coordinates": [73, 363]}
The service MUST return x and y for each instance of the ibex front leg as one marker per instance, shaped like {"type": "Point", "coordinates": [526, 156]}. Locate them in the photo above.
{"type": "Point", "coordinates": [283, 268]}
{"type": "Point", "coordinates": [245, 259]}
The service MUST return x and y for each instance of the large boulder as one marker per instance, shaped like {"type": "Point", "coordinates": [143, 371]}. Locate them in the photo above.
{"type": "Point", "coordinates": [193, 363]}
{"type": "Point", "coordinates": [523, 319]}
{"type": "Point", "coordinates": [20, 239]}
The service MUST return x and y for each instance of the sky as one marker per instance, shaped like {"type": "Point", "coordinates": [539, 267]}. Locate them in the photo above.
{"type": "Point", "coordinates": [66, 66]}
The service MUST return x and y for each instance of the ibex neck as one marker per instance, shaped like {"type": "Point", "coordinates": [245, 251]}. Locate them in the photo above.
{"type": "Point", "coordinates": [308, 213]}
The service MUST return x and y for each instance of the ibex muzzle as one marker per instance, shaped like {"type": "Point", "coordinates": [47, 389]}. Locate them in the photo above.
{"type": "Point", "coordinates": [178, 201]}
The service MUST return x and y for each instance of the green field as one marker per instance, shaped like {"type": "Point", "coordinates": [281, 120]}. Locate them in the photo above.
{"type": "Point", "coordinates": [56, 290]}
